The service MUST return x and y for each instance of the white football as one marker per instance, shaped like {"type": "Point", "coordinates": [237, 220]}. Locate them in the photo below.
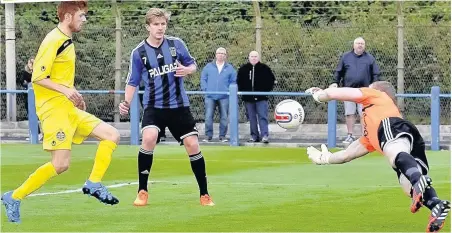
{"type": "Point", "coordinates": [289, 114]}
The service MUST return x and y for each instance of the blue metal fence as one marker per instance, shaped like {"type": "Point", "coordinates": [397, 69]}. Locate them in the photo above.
{"type": "Point", "coordinates": [234, 112]}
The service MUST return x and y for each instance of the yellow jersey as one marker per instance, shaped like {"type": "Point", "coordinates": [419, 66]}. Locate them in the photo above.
{"type": "Point", "coordinates": [55, 60]}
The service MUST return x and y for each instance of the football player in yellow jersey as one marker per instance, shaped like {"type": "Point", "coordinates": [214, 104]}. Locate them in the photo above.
{"type": "Point", "coordinates": [61, 110]}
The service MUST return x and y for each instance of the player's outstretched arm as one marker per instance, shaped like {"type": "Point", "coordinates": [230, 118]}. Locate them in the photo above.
{"type": "Point", "coordinates": [353, 151]}
{"type": "Point", "coordinates": [341, 93]}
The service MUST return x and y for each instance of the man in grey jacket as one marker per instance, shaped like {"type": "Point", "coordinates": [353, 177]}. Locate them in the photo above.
{"type": "Point", "coordinates": [217, 76]}
{"type": "Point", "coordinates": [357, 69]}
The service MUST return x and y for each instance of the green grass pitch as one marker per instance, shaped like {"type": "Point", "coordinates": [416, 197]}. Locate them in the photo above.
{"type": "Point", "coordinates": [255, 189]}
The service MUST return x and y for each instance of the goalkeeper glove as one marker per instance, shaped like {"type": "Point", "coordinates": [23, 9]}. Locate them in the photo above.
{"type": "Point", "coordinates": [315, 92]}
{"type": "Point", "coordinates": [319, 157]}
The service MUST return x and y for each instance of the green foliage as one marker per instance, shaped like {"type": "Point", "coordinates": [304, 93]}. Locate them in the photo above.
{"type": "Point", "coordinates": [301, 42]}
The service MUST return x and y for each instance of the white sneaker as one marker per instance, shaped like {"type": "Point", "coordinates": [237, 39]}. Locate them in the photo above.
{"type": "Point", "coordinates": [207, 140]}
{"type": "Point", "coordinates": [349, 139]}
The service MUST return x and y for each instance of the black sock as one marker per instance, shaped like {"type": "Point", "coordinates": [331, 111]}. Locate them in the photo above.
{"type": "Point", "coordinates": [430, 198]}
{"type": "Point", "coordinates": [145, 158]}
{"type": "Point", "coordinates": [408, 166]}
{"type": "Point", "coordinates": [198, 166]}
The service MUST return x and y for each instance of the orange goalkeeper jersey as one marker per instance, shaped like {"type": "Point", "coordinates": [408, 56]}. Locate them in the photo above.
{"type": "Point", "coordinates": [377, 106]}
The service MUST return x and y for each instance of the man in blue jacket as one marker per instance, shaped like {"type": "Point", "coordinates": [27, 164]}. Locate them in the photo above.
{"type": "Point", "coordinates": [217, 76]}
{"type": "Point", "coordinates": [357, 69]}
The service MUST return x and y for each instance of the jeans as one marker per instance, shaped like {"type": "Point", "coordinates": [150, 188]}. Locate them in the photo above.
{"type": "Point", "coordinates": [223, 107]}
{"type": "Point", "coordinates": [257, 112]}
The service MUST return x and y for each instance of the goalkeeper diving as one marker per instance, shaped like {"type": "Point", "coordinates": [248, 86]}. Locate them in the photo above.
{"type": "Point", "coordinates": [397, 139]}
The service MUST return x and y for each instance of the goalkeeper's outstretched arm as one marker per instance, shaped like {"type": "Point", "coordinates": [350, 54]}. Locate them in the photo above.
{"type": "Point", "coordinates": [353, 151]}
{"type": "Point", "coordinates": [341, 93]}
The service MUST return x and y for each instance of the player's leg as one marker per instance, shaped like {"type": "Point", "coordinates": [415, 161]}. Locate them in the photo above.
{"type": "Point", "coordinates": [430, 198]}
{"type": "Point", "coordinates": [404, 183]}
{"type": "Point", "coordinates": [398, 153]}
{"type": "Point", "coordinates": [145, 160]}
{"type": "Point", "coordinates": [412, 163]}
{"type": "Point", "coordinates": [151, 125]}
{"type": "Point", "coordinates": [90, 126]}
{"type": "Point", "coordinates": [198, 167]}
{"type": "Point", "coordinates": [109, 139]}
{"type": "Point", "coordinates": [183, 128]}
{"type": "Point", "coordinates": [223, 109]}
{"type": "Point", "coordinates": [58, 133]}
{"type": "Point", "coordinates": [439, 208]}
{"type": "Point", "coordinates": [350, 111]}
{"type": "Point", "coordinates": [12, 199]}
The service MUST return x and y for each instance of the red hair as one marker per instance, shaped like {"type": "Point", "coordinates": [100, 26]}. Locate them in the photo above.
{"type": "Point", "coordinates": [71, 7]}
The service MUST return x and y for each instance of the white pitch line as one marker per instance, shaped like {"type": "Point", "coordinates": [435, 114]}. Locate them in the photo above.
{"type": "Point", "coordinates": [80, 189]}
{"type": "Point", "coordinates": [219, 183]}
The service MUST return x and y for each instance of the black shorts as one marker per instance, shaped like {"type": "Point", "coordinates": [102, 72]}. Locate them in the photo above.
{"type": "Point", "coordinates": [394, 127]}
{"type": "Point", "coordinates": [179, 121]}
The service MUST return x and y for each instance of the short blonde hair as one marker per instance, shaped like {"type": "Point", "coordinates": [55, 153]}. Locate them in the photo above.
{"type": "Point", "coordinates": [387, 88]}
{"type": "Point", "coordinates": [156, 13]}
{"type": "Point", "coordinates": [221, 49]}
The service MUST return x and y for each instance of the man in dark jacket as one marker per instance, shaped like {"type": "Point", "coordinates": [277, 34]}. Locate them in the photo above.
{"type": "Point", "coordinates": [26, 74]}
{"type": "Point", "coordinates": [24, 81]}
{"type": "Point", "coordinates": [357, 69]}
{"type": "Point", "coordinates": [257, 77]}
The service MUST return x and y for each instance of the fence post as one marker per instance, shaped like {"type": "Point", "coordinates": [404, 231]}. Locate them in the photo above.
{"type": "Point", "coordinates": [32, 117]}
{"type": "Point", "coordinates": [332, 119]}
{"type": "Point", "coordinates": [435, 117]}
{"type": "Point", "coordinates": [233, 115]}
{"type": "Point", "coordinates": [135, 119]}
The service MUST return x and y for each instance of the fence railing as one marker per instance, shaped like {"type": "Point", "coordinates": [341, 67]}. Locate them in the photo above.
{"type": "Point", "coordinates": [233, 94]}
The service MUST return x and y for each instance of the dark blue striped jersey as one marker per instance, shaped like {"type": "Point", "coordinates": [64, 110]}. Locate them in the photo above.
{"type": "Point", "coordinates": [156, 67]}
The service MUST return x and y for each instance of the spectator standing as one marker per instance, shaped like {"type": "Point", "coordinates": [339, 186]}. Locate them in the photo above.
{"type": "Point", "coordinates": [217, 76]}
{"type": "Point", "coordinates": [356, 68]}
{"type": "Point", "coordinates": [256, 76]}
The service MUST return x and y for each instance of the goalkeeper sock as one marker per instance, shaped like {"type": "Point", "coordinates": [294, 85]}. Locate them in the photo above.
{"type": "Point", "coordinates": [430, 198]}
{"type": "Point", "coordinates": [35, 181]}
{"type": "Point", "coordinates": [408, 166]}
{"type": "Point", "coordinates": [102, 160]}
{"type": "Point", "coordinates": [145, 158]}
{"type": "Point", "coordinates": [198, 167]}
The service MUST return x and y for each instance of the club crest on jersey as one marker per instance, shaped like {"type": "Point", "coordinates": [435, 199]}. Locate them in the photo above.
{"type": "Point", "coordinates": [60, 135]}
{"type": "Point", "coordinates": [172, 51]}
{"type": "Point", "coordinates": [162, 70]}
